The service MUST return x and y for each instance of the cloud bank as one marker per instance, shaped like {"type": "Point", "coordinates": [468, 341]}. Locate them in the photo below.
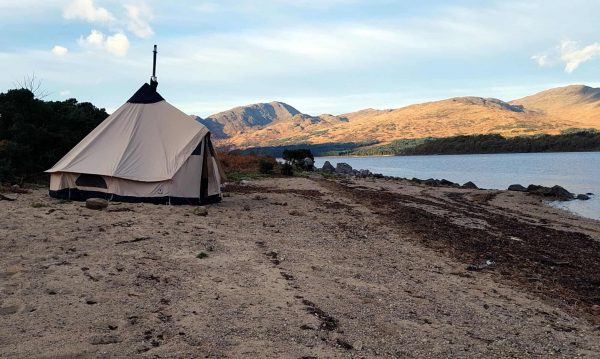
{"type": "Point", "coordinates": [138, 18]}
{"type": "Point", "coordinates": [573, 55]}
{"type": "Point", "coordinates": [116, 44]}
{"type": "Point", "coordinates": [59, 50]}
{"type": "Point", "coordinates": [568, 53]}
{"type": "Point", "coordinates": [86, 10]}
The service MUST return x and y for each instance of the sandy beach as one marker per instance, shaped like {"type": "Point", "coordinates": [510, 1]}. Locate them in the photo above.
{"type": "Point", "coordinates": [301, 268]}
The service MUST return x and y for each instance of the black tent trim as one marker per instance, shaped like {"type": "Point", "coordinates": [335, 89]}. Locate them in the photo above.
{"type": "Point", "coordinates": [75, 194]}
{"type": "Point", "coordinates": [146, 94]}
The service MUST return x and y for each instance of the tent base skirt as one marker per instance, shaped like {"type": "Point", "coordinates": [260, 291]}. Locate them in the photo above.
{"type": "Point", "coordinates": [75, 194]}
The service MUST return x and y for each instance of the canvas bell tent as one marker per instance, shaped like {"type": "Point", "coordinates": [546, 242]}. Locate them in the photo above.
{"type": "Point", "coordinates": [146, 151]}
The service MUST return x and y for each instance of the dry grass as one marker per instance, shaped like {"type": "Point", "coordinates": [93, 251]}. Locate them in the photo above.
{"type": "Point", "coordinates": [235, 162]}
{"type": "Point", "coordinates": [238, 166]}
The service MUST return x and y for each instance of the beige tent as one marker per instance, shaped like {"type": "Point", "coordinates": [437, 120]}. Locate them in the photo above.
{"type": "Point", "coordinates": [146, 151]}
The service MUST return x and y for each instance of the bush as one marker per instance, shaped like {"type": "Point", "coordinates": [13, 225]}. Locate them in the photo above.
{"type": "Point", "coordinates": [296, 156]}
{"type": "Point", "coordinates": [35, 134]}
{"type": "Point", "coordinates": [266, 166]}
{"type": "Point", "coordinates": [287, 169]}
{"type": "Point", "coordinates": [233, 162]}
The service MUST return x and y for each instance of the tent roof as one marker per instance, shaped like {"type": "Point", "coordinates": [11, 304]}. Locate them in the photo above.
{"type": "Point", "coordinates": [146, 94]}
{"type": "Point", "coordinates": [141, 141]}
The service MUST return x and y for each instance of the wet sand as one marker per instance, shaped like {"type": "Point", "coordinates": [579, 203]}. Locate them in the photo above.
{"type": "Point", "coordinates": [301, 268]}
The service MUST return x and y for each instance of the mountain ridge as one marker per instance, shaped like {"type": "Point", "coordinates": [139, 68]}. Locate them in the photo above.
{"type": "Point", "coordinates": [277, 123]}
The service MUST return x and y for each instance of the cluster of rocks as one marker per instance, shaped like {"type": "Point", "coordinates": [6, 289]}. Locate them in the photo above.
{"type": "Point", "coordinates": [344, 169]}
{"type": "Point", "coordinates": [555, 192]}
{"type": "Point", "coordinates": [444, 183]}
{"type": "Point", "coordinates": [14, 189]}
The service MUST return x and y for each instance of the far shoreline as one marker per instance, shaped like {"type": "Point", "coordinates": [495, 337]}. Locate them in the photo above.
{"type": "Point", "coordinates": [456, 154]}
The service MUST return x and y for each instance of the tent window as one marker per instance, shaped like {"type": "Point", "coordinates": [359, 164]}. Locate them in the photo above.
{"type": "Point", "coordinates": [198, 150]}
{"type": "Point", "coordinates": [86, 180]}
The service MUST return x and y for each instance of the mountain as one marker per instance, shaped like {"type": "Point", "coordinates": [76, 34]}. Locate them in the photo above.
{"type": "Point", "coordinates": [577, 103]}
{"type": "Point", "coordinates": [277, 123]}
{"type": "Point", "coordinates": [242, 119]}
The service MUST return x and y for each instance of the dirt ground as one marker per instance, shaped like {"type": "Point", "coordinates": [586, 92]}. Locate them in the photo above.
{"type": "Point", "coordinates": [301, 268]}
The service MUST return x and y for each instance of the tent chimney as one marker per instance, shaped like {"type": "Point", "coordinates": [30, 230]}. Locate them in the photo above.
{"type": "Point", "coordinates": [153, 79]}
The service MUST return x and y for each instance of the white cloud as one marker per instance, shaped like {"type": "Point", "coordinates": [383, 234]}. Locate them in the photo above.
{"type": "Point", "coordinates": [542, 60]}
{"type": "Point", "coordinates": [64, 93]}
{"type": "Point", "coordinates": [573, 55]}
{"type": "Point", "coordinates": [95, 38]}
{"type": "Point", "coordinates": [137, 20]}
{"type": "Point", "coordinates": [86, 10]}
{"type": "Point", "coordinates": [59, 50]}
{"type": "Point", "coordinates": [568, 52]}
{"type": "Point", "coordinates": [116, 44]}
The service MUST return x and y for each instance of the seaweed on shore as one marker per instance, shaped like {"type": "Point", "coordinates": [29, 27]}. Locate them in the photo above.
{"type": "Point", "coordinates": [558, 265]}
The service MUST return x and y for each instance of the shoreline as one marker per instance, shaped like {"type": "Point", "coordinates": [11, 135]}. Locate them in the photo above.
{"type": "Point", "coordinates": [459, 154]}
{"type": "Point", "coordinates": [491, 173]}
{"type": "Point", "coordinates": [301, 267]}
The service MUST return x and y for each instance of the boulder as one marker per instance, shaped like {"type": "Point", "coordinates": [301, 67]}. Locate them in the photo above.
{"type": "Point", "coordinates": [561, 193]}
{"type": "Point", "coordinates": [364, 173]}
{"type": "Point", "coordinates": [555, 192]}
{"type": "Point", "coordinates": [517, 187]}
{"type": "Point", "coordinates": [582, 197]}
{"type": "Point", "coordinates": [96, 203]}
{"type": "Point", "coordinates": [308, 164]}
{"type": "Point", "coordinates": [415, 179]}
{"type": "Point", "coordinates": [432, 182]}
{"type": "Point", "coordinates": [536, 189]}
{"type": "Point", "coordinates": [470, 185]}
{"type": "Point", "coordinates": [445, 182]}
{"type": "Point", "coordinates": [328, 167]}
{"type": "Point", "coordinates": [343, 169]}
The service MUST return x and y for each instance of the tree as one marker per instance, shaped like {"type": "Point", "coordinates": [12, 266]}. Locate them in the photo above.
{"type": "Point", "coordinates": [297, 155]}
{"type": "Point", "coordinates": [34, 85]}
{"type": "Point", "coordinates": [302, 158]}
{"type": "Point", "coordinates": [35, 134]}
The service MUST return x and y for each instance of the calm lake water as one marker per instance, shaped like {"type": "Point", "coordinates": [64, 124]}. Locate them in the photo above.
{"type": "Point", "coordinates": [578, 172]}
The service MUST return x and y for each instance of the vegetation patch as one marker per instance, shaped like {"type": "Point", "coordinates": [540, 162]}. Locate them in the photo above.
{"type": "Point", "coordinates": [35, 134]}
{"type": "Point", "coordinates": [245, 166]}
{"type": "Point", "coordinates": [585, 140]}
{"type": "Point", "coordinates": [318, 149]}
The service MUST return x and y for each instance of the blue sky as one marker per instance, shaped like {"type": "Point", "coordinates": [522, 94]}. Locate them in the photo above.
{"type": "Point", "coordinates": [320, 56]}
